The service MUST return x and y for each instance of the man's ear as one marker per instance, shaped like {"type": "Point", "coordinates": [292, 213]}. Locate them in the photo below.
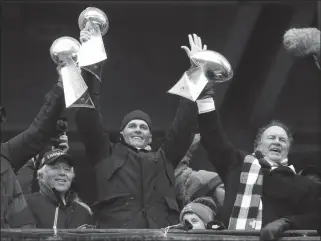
{"type": "Point", "coordinates": [150, 139]}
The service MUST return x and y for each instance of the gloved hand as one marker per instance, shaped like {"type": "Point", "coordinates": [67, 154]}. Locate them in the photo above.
{"type": "Point", "coordinates": [273, 230]}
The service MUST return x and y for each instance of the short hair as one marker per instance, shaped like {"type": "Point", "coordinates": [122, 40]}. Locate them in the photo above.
{"type": "Point", "coordinates": [273, 123]}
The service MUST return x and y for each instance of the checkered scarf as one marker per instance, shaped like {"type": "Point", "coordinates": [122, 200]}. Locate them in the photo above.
{"type": "Point", "coordinates": [247, 210]}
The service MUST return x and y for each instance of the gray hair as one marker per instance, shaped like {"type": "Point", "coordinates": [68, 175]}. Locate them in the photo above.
{"type": "Point", "coordinates": [273, 123]}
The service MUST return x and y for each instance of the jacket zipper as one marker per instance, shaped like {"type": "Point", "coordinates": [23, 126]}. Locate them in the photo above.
{"type": "Point", "coordinates": [55, 221]}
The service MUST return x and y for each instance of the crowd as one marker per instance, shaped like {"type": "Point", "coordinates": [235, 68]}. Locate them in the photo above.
{"type": "Point", "coordinates": [143, 189]}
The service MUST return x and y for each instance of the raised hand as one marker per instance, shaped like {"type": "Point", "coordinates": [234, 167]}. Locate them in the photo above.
{"type": "Point", "coordinates": [195, 43]}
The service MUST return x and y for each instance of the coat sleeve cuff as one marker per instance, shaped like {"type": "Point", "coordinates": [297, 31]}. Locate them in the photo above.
{"type": "Point", "coordinates": [205, 105]}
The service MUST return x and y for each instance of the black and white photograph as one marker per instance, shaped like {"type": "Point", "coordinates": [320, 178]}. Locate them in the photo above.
{"type": "Point", "coordinates": [160, 120]}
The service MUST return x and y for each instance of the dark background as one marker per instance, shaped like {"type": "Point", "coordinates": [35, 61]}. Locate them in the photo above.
{"type": "Point", "coordinates": [145, 60]}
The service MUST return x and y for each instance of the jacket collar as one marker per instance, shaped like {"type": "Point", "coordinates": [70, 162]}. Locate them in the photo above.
{"type": "Point", "coordinates": [122, 141]}
{"type": "Point", "coordinates": [54, 195]}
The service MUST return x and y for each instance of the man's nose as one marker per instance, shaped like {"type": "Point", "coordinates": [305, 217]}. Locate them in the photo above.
{"type": "Point", "coordinates": [277, 142]}
{"type": "Point", "coordinates": [138, 130]}
{"type": "Point", "coordinates": [62, 172]}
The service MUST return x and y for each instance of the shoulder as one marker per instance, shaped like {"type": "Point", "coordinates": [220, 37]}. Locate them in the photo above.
{"type": "Point", "coordinates": [34, 197]}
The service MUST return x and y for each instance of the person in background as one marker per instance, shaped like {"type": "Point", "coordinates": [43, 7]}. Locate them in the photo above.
{"type": "Point", "coordinates": [57, 205]}
{"type": "Point", "coordinates": [27, 175]}
{"type": "Point", "coordinates": [199, 213]}
{"type": "Point", "coordinates": [15, 153]}
{"type": "Point", "coordinates": [193, 184]}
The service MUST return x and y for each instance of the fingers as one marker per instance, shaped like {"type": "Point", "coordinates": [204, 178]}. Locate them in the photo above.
{"type": "Point", "coordinates": [63, 138]}
{"type": "Point", "coordinates": [199, 42]}
{"type": "Point", "coordinates": [186, 50]}
{"type": "Point", "coordinates": [85, 35]}
{"type": "Point", "coordinates": [191, 41]}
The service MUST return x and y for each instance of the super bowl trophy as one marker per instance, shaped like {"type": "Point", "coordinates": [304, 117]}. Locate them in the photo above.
{"type": "Point", "coordinates": [63, 52]}
{"type": "Point", "coordinates": [92, 50]}
{"type": "Point", "coordinates": [208, 66]}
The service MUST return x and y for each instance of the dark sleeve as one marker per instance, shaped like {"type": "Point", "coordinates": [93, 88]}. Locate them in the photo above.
{"type": "Point", "coordinates": [306, 221]}
{"type": "Point", "coordinates": [221, 152]}
{"type": "Point", "coordinates": [295, 188]}
{"type": "Point", "coordinates": [30, 142]}
{"type": "Point", "coordinates": [90, 123]}
{"type": "Point", "coordinates": [18, 214]}
{"type": "Point", "coordinates": [179, 137]}
{"type": "Point", "coordinates": [308, 211]}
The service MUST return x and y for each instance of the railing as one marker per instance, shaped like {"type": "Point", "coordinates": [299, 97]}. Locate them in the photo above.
{"type": "Point", "coordinates": [148, 235]}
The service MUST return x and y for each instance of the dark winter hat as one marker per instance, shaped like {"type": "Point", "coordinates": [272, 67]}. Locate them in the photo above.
{"type": "Point", "coordinates": [136, 115]}
{"type": "Point", "coordinates": [52, 156]}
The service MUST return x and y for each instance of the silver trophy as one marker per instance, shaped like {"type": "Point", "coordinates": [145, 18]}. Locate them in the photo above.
{"type": "Point", "coordinates": [214, 65]}
{"type": "Point", "coordinates": [96, 23]}
{"type": "Point", "coordinates": [63, 52]}
{"type": "Point", "coordinates": [208, 66]}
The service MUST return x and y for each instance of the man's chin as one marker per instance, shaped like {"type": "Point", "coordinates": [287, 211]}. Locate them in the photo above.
{"type": "Point", "coordinates": [61, 189]}
{"type": "Point", "coordinates": [137, 144]}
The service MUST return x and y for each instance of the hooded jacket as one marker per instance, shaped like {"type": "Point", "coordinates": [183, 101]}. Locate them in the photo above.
{"type": "Point", "coordinates": [49, 211]}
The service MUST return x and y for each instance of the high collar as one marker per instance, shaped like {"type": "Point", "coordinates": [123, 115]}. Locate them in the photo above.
{"type": "Point", "coordinates": [54, 195]}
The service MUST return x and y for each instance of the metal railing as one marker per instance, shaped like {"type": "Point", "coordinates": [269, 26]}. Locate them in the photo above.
{"type": "Point", "coordinates": [148, 235]}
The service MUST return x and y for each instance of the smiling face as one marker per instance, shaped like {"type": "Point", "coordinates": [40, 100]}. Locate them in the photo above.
{"type": "Point", "coordinates": [195, 220]}
{"type": "Point", "coordinates": [274, 144]}
{"type": "Point", "coordinates": [137, 134]}
{"type": "Point", "coordinates": [58, 175]}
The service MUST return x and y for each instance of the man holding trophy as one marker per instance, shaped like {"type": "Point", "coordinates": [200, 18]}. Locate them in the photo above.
{"type": "Point", "coordinates": [135, 186]}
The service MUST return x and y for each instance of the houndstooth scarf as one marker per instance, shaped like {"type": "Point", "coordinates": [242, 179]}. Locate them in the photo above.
{"type": "Point", "coordinates": [247, 210]}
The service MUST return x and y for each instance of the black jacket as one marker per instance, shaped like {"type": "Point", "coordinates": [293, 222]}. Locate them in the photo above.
{"type": "Point", "coordinates": [44, 204]}
{"type": "Point", "coordinates": [135, 187]}
{"type": "Point", "coordinates": [18, 150]}
{"type": "Point", "coordinates": [283, 191]}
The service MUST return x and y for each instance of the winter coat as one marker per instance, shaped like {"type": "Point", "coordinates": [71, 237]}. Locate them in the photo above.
{"type": "Point", "coordinates": [135, 187]}
{"type": "Point", "coordinates": [283, 190]}
{"type": "Point", "coordinates": [48, 209]}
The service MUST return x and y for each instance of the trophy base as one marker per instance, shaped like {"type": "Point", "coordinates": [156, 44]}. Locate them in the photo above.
{"type": "Point", "coordinates": [84, 101]}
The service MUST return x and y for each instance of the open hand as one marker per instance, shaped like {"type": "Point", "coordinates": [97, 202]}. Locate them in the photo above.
{"type": "Point", "coordinates": [195, 43]}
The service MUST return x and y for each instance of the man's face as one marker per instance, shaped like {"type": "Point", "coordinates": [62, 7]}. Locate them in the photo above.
{"type": "Point", "coordinates": [193, 219]}
{"type": "Point", "coordinates": [59, 175]}
{"type": "Point", "coordinates": [274, 144]}
{"type": "Point", "coordinates": [137, 134]}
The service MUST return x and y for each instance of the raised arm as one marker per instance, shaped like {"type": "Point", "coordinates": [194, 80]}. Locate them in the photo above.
{"type": "Point", "coordinates": [179, 137]}
{"type": "Point", "coordinates": [221, 152]}
{"type": "Point", "coordinates": [90, 121]}
{"type": "Point", "coordinates": [29, 143]}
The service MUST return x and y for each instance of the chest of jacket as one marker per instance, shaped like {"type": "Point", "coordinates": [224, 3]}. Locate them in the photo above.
{"type": "Point", "coordinates": [45, 212]}
{"type": "Point", "coordinates": [145, 176]}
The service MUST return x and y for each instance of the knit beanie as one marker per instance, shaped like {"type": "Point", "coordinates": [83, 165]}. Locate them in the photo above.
{"type": "Point", "coordinates": [202, 211]}
{"type": "Point", "coordinates": [136, 115]}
